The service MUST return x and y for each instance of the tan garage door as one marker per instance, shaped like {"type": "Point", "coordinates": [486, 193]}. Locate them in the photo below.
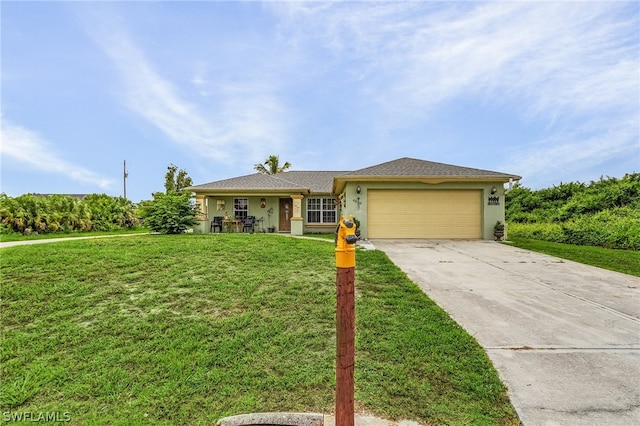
{"type": "Point", "coordinates": [424, 214]}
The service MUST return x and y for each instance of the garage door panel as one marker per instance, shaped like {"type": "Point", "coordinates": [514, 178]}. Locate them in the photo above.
{"type": "Point", "coordinates": [424, 213]}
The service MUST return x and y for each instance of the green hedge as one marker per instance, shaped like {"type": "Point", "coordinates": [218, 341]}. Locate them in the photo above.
{"type": "Point", "coordinates": [613, 228]}
{"type": "Point", "coordinates": [536, 231]}
{"type": "Point", "coordinates": [605, 213]}
{"type": "Point", "coordinates": [31, 213]}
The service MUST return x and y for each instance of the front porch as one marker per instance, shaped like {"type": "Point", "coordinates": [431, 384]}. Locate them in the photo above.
{"type": "Point", "coordinates": [281, 213]}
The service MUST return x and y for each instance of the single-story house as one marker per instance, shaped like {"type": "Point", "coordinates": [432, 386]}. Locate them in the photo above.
{"type": "Point", "coordinates": [403, 198]}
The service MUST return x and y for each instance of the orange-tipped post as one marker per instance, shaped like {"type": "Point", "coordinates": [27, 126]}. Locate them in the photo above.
{"type": "Point", "coordinates": [345, 321]}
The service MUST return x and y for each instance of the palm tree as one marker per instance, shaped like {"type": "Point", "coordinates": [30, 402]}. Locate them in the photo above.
{"type": "Point", "coordinates": [273, 166]}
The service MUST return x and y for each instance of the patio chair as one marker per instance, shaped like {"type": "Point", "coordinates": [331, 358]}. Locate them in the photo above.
{"type": "Point", "coordinates": [216, 223]}
{"type": "Point", "coordinates": [249, 223]}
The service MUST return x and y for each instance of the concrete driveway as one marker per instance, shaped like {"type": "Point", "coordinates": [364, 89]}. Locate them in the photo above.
{"type": "Point", "coordinates": [565, 337]}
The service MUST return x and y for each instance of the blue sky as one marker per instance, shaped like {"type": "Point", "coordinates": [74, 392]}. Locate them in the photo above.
{"type": "Point", "coordinates": [546, 90]}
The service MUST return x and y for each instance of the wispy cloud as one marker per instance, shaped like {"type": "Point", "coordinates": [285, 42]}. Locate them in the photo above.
{"type": "Point", "coordinates": [233, 124]}
{"type": "Point", "coordinates": [554, 57]}
{"type": "Point", "coordinates": [569, 154]}
{"type": "Point", "coordinates": [27, 147]}
{"type": "Point", "coordinates": [573, 68]}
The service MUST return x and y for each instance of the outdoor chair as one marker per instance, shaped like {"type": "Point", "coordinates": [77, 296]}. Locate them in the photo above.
{"type": "Point", "coordinates": [249, 223]}
{"type": "Point", "coordinates": [216, 223]}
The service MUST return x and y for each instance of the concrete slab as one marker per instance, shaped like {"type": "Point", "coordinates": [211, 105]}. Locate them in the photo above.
{"type": "Point", "coordinates": [273, 419]}
{"type": "Point", "coordinates": [565, 337]}
{"type": "Point", "coordinates": [304, 419]}
{"type": "Point", "coordinates": [364, 420]}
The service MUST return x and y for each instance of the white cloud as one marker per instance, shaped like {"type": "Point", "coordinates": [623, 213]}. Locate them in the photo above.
{"type": "Point", "coordinates": [572, 68]}
{"type": "Point", "coordinates": [233, 126]}
{"type": "Point", "coordinates": [27, 147]}
{"type": "Point", "coordinates": [550, 56]}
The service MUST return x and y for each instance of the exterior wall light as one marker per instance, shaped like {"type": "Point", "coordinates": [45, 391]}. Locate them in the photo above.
{"type": "Point", "coordinates": [357, 199]}
{"type": "Point", "coordinates": [494, 190]}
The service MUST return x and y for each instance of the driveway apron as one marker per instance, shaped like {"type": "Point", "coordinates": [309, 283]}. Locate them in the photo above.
{"type": "Point", "coordinates": [564, 337]}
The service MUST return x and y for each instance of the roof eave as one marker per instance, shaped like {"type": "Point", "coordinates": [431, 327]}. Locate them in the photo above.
{"type": "Point", "coordinates": [248, 191]}
{"type": "Point", "coordinates": [340, 182]}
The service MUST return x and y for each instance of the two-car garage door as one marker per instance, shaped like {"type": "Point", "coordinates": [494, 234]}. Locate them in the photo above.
{"type": "Point", "coordinates": [424, 213]}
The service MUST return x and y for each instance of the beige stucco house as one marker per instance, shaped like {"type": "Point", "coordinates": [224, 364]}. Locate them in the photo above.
{"type": "Point", "coordinates": [403, 198]}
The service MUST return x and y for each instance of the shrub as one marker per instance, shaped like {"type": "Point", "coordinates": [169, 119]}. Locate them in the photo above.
{"type": "Point", "coordinates": [613, 228]}
{"type": "Point", "coordinates": [6, 230]}
{"type": "Point", "coordinates": [62, 213]}
{"type": "Point", "coordinates": [537, 231]}
{"type": "Point", "coordinates": [171, 213]}
{"type": "Point", "coordinates": [110, 213]}
{"type": "Point", "coordinates": [604, 213]}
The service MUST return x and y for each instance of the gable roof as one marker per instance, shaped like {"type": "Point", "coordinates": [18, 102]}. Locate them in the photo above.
{"type": "Point", "coordinates": [413, 167]}
{"type": "Point", "coordinates": [327, 182]}
{"type": "Point", "coordinates": [292, 181]}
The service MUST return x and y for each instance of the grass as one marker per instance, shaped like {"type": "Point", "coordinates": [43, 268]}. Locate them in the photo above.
{"type": "Point", "coordinates": [191, 328]}
{"type": "Point", "coordinates": [625, 261]}
{"type": "Point", "coordinates": [21, 237]}
{"type": "Point", "coordinates": [323, 236]}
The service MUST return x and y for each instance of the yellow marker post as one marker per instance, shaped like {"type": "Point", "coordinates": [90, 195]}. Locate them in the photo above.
{"type": "Point", "coordinates": [346, 243]}
{"type": "Point", "coordinates": [345, 320]}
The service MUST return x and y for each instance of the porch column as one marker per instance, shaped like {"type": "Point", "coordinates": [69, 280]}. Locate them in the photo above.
{"type": "Point", "coordinates": [202, 225]}
{"type": "Point", "coordinates": [297, 223]}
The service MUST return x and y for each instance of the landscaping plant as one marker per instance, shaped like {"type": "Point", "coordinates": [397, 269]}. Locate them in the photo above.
{"type": "Point", "coordinates": [604, 213]}
{"type": "Point", "coordinates": [171, 213]}
{"type": "Point", "coordinates": [31, 214]}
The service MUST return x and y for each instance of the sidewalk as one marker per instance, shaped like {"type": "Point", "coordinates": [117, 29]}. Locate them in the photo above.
{"type": "Point", "coordinates": [57, 240]}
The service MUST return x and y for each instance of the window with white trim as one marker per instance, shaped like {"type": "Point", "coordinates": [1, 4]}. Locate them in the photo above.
{"type": "Point", "coordinates": [321, 210]}
{"type": "Point", "coordinates": [240, 208]}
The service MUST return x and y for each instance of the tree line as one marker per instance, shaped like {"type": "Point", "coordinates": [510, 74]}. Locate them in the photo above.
{"type": "Point", "coordinates": [602, 213]}
{"type": "Point", "coordinates": [169, 212]}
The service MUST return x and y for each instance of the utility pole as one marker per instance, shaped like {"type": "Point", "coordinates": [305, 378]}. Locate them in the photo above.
{"type": "Point", "coordinates": [125, 176]}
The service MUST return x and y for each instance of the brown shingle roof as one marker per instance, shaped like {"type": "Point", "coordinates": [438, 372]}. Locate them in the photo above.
{"type": "Point", "coordinates": [303, 181]}
{"type": "Point", "coordinates": [413, 167]}
{"type": "Point", "coordinates": [316, 181]}
{"type": "Point", "coordinates": [324, 181]}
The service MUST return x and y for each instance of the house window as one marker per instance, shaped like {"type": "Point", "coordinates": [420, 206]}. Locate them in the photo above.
{"type": "Point", "coordinates": [240, 208]}
{"type": "Point", "coordinates": [321, 210]}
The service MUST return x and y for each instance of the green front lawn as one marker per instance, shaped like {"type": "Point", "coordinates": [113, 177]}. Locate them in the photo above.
{"type": "Point", "coordinates": [191, 328]}
{"type": "Point", "coordinates": [625, 261]}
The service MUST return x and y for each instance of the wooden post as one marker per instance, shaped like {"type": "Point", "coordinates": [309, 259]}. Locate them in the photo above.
{"type": "Point", "coordinates": [345, 321]}
{"type": "Point", "coordinates": [345, 346]}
